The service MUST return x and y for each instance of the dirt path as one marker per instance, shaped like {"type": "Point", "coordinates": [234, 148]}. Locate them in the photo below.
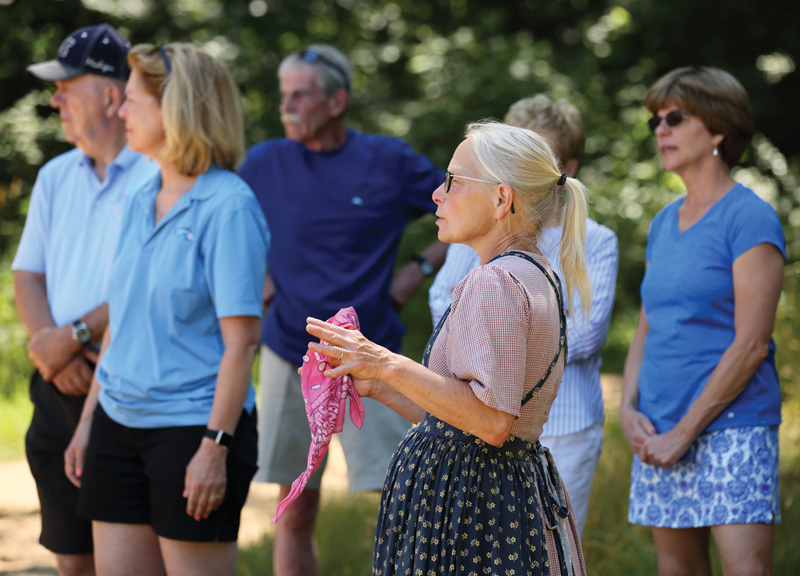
{"type": "Point", "coordinates": [21, 554]}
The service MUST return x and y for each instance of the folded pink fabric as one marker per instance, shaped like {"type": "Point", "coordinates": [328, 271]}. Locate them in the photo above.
{"type": "Point", "coordinates": [325, 406]}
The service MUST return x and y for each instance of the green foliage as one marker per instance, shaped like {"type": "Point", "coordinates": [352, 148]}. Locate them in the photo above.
{"type": "Point", "coordinates": [15, 417]}
{"type": "Point", "coordinates": [15, 368]}
{"type": "Point", "coordinates": [345, 533]}
{"type": "Point", "coordinates": [423, 69]}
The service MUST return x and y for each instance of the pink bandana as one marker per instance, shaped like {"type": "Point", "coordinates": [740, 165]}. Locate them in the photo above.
{"type": "Point", "coordinates": [325, 399]}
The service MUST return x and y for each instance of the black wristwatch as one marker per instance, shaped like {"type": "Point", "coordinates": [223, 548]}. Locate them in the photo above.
{"type": "Point", "coordinates": [425, 267]}
{"type": "Point", "coordinates": [220, 437]}
{"type": "Point", "coordinates": [81, 332]}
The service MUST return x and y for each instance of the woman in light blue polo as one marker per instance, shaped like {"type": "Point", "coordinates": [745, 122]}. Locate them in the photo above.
{"type": "Point", "coordinates": [701, 403]}
{"type": "Point", "coordinates": [170, 421]}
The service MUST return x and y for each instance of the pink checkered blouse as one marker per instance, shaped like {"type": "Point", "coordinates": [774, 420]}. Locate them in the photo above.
{"type": "Point", "coordinates": [500, 336]}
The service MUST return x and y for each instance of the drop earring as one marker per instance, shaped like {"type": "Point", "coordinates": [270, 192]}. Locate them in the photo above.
{"type": "Point", "coordinates": [716, 151]}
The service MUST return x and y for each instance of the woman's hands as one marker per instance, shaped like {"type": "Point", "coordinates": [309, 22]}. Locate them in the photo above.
{"type": "Point", "coordinates": [76, 450]}
{"type": "Point", "coordinates": [351, 353]}
{"type": "Point", "coordinates": [667, 448]}
{"type": "Point", "coordinates": [206, 480]}
{"type": "Point", "coordinates": [637, 429]}
{"type": "Point", "coordinates": [652, 448]}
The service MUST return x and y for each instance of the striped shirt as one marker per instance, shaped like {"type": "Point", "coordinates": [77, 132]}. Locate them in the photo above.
{"type": "Point", "coordinates": [579, 403]}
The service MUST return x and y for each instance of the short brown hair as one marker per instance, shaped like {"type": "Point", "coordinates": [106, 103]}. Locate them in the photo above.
{"type": "Point", "coordinates": [716, 97]}
{"type": "Point", "coordinates": [200, 106]}
{"type": "Point", "coordinates": [561, 116]}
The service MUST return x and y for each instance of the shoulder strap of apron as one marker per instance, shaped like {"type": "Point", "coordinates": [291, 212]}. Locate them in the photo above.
{"type": "Point", "coordinates": [562, 315]}
{"type": "Point", "coordinates": [562, 320]}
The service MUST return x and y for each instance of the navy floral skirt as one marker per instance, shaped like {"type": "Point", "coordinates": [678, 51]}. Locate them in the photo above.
{"type": "Point", "coordinates": [453, 504]}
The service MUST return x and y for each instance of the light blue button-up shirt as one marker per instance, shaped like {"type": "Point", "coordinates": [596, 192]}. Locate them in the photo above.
{"type": "Point", "coordinates": [170, 285]}
{"type": "Point", "coordinates": [73, 225]}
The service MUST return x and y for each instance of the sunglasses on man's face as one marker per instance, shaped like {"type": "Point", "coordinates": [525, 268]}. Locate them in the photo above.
{"type": "Point", "coordinates": [672, 118]}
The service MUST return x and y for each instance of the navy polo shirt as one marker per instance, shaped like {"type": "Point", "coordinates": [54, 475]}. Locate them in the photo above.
{"type": "Point", "coordinates": [336, 219]}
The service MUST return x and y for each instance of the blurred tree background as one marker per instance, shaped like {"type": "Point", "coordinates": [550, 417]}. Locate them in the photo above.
{"type": "Point", "coordinates": [423, 70]}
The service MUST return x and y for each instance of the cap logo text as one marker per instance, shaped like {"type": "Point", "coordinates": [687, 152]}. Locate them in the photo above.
{"type": "Point", "coordinates": [99, 65]}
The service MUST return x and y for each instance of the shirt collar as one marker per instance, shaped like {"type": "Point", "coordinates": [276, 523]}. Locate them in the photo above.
{"type": "Point", "coordinates": [206, 184]}
{"type": "Point", "coordinates": [124, 159]}
{"type": "Point", "coordinates": [204, 187]}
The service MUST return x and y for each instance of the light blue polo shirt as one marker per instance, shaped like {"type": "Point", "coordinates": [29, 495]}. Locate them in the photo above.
{"type": "Point", "coordinates": [73, 225]}
{"type": "Point", "coordinates": [170, 285]}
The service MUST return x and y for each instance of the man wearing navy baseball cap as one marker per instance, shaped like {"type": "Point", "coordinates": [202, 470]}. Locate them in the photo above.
{"type": "Point", "coordinates": [97, 50]}
{"type": "Point", "coordinates": [62, 267]}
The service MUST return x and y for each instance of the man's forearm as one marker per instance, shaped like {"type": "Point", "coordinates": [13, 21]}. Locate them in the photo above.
{"type": "Point", "coordinates": [436, 253]}
{"type": "Point", "coordinates": [30, 295]}
{"type": "Point", "coordinates": [33, 308]}
{"type": "Point", "coordinates": [97, 320]}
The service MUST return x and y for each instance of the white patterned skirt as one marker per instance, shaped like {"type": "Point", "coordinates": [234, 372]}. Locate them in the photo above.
{"type": "Point", "coordinates": [727, 476]}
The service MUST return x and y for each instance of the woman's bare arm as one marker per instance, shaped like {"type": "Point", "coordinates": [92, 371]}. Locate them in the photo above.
{"type": "Point", "coordinates": [757, 279]}
{"type": "Point", "coordinates": [448, 399]}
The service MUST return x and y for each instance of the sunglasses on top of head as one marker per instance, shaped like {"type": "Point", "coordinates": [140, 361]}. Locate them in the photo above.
{"type": "Point", "coordinates": [673, 118]}
{"type": "Point", "coordinates": [312, 57]}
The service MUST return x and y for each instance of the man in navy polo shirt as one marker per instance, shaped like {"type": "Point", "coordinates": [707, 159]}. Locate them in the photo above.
{"type": "Point", "coordinates": [62, 266]}
{"type": "Point", "coordinates": [336, 201]}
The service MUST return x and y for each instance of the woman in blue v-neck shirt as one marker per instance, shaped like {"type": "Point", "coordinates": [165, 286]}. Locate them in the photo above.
{"type": "Point", "coordinates": [701, 402]}
{"type": "Point", "coordinates": [169, 426]}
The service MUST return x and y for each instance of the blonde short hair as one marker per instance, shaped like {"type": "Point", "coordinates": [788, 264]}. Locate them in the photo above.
{"type": "Point", "coordinates": [525, 161]}
{"type": "Point", "coordinates": [561, 116]}
{"type": "Point", "coordinates": [716, 97]}
{"type": "Point", "coordinates": [200, 106]}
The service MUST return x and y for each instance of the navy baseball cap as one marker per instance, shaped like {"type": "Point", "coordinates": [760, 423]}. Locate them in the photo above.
{"type": "Point", "coordinates": [97, 50]}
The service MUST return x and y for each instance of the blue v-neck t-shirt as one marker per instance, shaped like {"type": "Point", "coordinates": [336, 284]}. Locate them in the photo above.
{"type": "Point", "coordinates": [170, 284]}
{"type": "Point", "coordinates": [688, 297]}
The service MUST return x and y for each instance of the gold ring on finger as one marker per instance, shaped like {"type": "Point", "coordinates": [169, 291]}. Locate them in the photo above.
{"type": "Point", "coordinates": [342, 354]}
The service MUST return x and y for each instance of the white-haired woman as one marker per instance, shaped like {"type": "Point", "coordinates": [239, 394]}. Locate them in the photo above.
{"type": "Point", "coordinates": [461, 491]}
{"type": "Point", "coordinates": [170, 420]}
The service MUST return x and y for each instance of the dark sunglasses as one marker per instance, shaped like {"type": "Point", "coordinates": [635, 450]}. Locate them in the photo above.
{"type": "Point", "coordinates": [312, 57]}
{"type": "Point", "coordinates": [673, 118]}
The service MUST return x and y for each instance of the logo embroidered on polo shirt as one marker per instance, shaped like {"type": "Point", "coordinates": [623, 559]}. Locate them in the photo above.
{"type": "Point", "coordinates": [357, 200]}
{"type": "Point", "coordinates": [184, 234]}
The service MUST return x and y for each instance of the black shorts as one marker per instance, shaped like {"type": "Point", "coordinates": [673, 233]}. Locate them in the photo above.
{"type": "Point", "coordinates": [136, 476]}
{"type": "Point", "coordinates": [55, 417]}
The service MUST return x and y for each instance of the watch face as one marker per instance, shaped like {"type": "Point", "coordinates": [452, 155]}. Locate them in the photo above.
{"type": "Point", "coordinates": [81, 333]}
{"type": "Point", "coordinates": [84, 336]}
{"type": "Point", "coordinates": [426, 268]}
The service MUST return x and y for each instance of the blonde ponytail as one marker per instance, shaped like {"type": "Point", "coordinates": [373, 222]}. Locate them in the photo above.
{"type": "Point", "coordinates": [525, 161]}
{"type": "Point", "coordinates": [572, 249]}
